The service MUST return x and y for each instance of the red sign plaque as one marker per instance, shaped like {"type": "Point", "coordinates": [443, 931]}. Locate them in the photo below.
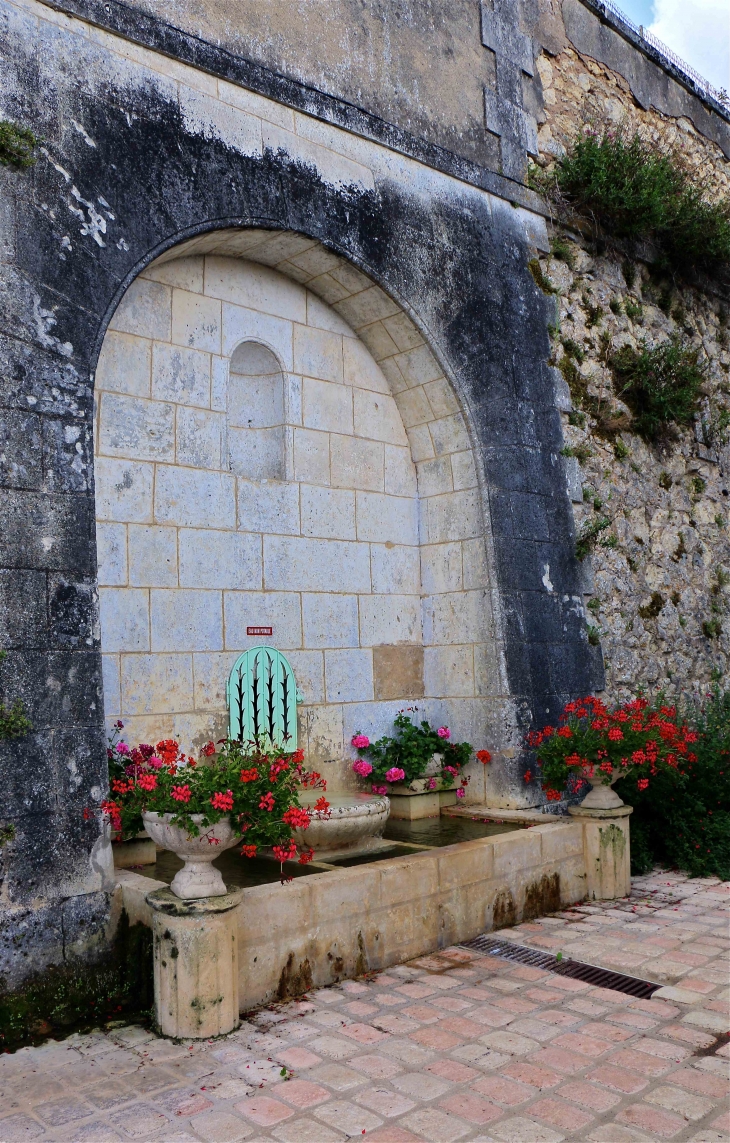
{"type": "Point", "coordinates": [259, 630]}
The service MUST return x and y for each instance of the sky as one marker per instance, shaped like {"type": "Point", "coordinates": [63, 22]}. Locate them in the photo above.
{"type": "Point", "coordinates": [697, 30]}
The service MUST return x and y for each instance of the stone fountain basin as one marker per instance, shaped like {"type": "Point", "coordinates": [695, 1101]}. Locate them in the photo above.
{"type": "Point", "coordinates": [353, 824]}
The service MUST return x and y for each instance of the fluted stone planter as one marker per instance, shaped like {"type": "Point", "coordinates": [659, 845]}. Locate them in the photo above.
{"type": "Point", "coordinates": [353, 824]}
{"type": "Point", "coordinates": [198, 876]}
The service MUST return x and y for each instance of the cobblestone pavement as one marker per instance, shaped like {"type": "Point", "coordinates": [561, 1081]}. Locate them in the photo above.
{"type": "Point", "coordinates": [453, 1046]}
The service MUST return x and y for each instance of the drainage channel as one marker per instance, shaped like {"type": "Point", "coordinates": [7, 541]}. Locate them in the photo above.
{"type": "Point", "coordinates": [576, 969]}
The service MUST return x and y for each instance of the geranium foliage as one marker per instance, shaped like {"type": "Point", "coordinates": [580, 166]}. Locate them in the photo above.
{"type": "Point", "coordinates": [255, 785]}
{"type": "Point", "coordinates": [404, 756]}
{"type": "Point", "coordinates": [591, 739]}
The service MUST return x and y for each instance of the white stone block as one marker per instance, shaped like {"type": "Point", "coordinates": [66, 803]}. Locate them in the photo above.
{"type": "Point", "coordinates": [414, 407]}
{"type": "Point", "coordinates": [257, 453]}
{"type": "Point", "coordinates": [381, 518]}
{"type": "Point", "coordinates": [324, 733]}
{"type": "Point", "coordinates": [198, 438]}
{"type": "Point", "coordinates": [181, 375]}
{"type": "Point", "coordinates": [124, 365]}
{"type": "Point", "coordinates": [464, 470]}
{"type": "Point", "coordinates": [210, 675]}
{"type": "Point", "coordinates": [328, 512]}
{"type": "Point", "coordinates": [255, 287]}
{"type": "Point", "coordinates": [136, 428]}
{"type": "Point", "coordinates": [418, 366]}
{"type": "Point", "coordinates": [292, 399]}
{"type": "Point", "coordinates": [389, 619]}
{"type": "Point", "coordinates": [420, 441]}
{"type": "Point", "coordinates": [301, 564]}
{"type": "Point", "coordinates": [186, 620]}
{"type": "Point", "coordinates": [240, 325]}
{"type": "Point", "coordinates": [208, 117]}
{"type": "Point", "coordinates": [356, 463]}
{"type": "Point", "coordinates": [434, 476]}
{"type": "Point", "coordinates": [457, 617]}
{"type": "Point", "coordinates": [403, 332]}
{"type": "Point", "coordinates": [322, 316]}
{"type": "Point", "coordinates": [193, 498]}
{"type": "Point", "coordinates": [366, 307]}
{"type": "Point", "coordinates": [144, 310]}
{"type": "Point", "coordinates": [271, 507]}
{"type": "Point", "coordinates": [123, 489]}
{"type": "Point", "coordinates": [454, 516]}
{"type": "Point", "coordinates": [380, 344]}
{"type": "Point", "coordinates": [185, 273]}
{"type": "Point", "coordinates": [326, 406]}
{"type": "Point", "coordinates": [196, 321]}
{"type": "Point", "coordinates": [441, 397]}
{"type": "Point", "coordinates": [400, 471]}
{"type": "Point", "coordinates": [476, 572]}
{"type": "Point", "coordinates": [441, 568]}
{"type": "Point", "coordinates": [256, 104]}
{"type": "Point", "coordinates": [219, 559]}
{"type": "Point", "coordinates": [449, 435]}
{"type": "Point", "coordinates": [280, 610]}
{"type": "Point", "coordinates": [308, 667]}
{"type": "Point", "coordinates": [330, 620]}
{"type": "Point", "coordinates": [391, 372]}
{"type": "Point", "coordinates": [394, 568]}
{"type": "Point", "coordinates": [360, 369]}
{"type": "Point", "coordinates": [111, 551]}
{"type": "Point", "coordinates": [448, 671]}
{"type": "Point", "coordinates": [490, 676]}
{"type": "Point", "coordinates": [377, 418]}
{"type": "Point", "coordinates": [219, 383]}
{"type": "Point", "coordinates": [157, 684]}
{"type": "Point", "coordinates": [152, 556]}
{"type": "Point", "coordinates": [124, 615]}
{"type": "Point", "coordinates": [372, 718]}
{"type": "Point", "coordinates": [349, 675]}
{"type": "Point", "coordinates": [317, 353]}
{"type": "Point", "coordinates": [112, 691]}
{"type": "Point", "coordinates": [312, 456]}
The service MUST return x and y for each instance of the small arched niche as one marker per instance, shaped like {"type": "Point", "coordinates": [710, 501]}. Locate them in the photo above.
{"type": "Point", "coordinates": [256, 413]}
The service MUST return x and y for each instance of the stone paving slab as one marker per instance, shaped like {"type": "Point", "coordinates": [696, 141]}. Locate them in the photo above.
{"type": "Point", "coordinates": [451, 1047]}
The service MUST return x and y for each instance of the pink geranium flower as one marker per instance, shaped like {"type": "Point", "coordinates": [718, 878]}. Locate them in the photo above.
{"type": "Point", "coordinates": [362, 767]}
{"type": "Point", "coordinates": [360, 741]}
{"type": "Point", "coordinates": [379, 789]}
{"type": "Point", "coordinates": [395, 774]}
{"type": "Point", "coordinates": [443, 732]}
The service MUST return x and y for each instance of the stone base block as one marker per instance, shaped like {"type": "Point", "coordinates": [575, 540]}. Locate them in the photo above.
{"type": "Point", "coordinates": [606, 851]}
{"type": "Point", "coordinates": [409, 805]}
{"type": "Point", "coordinates": [196, 964]}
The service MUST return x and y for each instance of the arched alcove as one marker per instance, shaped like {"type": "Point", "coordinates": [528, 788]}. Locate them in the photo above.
{"type": "Point", "coordinates": [277, 447]}
{"type": "Point", "coordinates": [255, 413]}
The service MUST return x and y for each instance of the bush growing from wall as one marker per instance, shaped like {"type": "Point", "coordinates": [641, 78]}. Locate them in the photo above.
{"type": "Point", "coordinates": [661, 385]}
{"type": "Point", "coordinates": [682, 818]}
{"type": "Point", "coordinates": [637, 194]}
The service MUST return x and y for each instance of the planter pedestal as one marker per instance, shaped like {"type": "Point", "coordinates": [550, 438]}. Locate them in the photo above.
{"type": "Point", "coordinates": [196, 964]}
{"type": "Point", "coordinates": [410, 805]}
{"type": "Point", "coordinates": [606, 850]}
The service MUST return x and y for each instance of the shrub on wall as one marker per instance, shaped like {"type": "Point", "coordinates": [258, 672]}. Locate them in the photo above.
{"type": "Point", "coordinates": [661, 385]}
{"type": "Point", "coordinates": [637, 194]}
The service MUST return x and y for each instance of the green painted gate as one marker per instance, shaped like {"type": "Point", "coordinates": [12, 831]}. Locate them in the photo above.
{"type": "Point", "coordinates": [262, 698]}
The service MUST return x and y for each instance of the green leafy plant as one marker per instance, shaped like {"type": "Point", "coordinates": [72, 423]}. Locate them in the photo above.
{"type": "Point", "coordinates": [636, 193]}
{"type": "Point", "coordinates": [577, 418]}
{"type": "Point", "coordinates": [594, 311]}
{"type": "Point", "coordinates": [580, 452]}
{"type": "Point", "coordinates": [573, 349]}
{"type": "Point", "coordinates": [636, 738]}
{"type": "Point", "coordinates": [17, 145]}
{"type": "Point", "coordinates": [563, 250]}
{"type": "Point", "coordinates": [594, 605]}
{"type": "Point", "coordinates": [404, 756]}
{"type": "Point", "coordinates": [616, 306]}
{"type": "Point", "coordinates": [634, 310]}
{"type": "Point", "coordinates": [712, 628]}
{"type": "Point", "coordinates": [14, 722]}
{"type": "Point", "coordinates": [254, 784]}
{"type": "Point", "coordinates": [594, 635]}
{"type": "Point", "coordinates": [661, 385]}
{"type": "Point", "coordinates": [682, 818]}
{"type": "Point", "coordinates": [620, 451]}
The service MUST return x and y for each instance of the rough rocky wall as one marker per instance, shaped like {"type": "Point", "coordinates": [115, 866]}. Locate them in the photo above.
{"type": "Point", "coordinates": [657, 599]}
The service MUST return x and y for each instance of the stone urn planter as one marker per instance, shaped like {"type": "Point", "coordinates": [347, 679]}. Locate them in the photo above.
{"type": "Point", "coordinates": [198, 876]}
{"type": "Point", "coordinates": [601, 796]}
{"type": "Point", "coordinates": [354, 823]}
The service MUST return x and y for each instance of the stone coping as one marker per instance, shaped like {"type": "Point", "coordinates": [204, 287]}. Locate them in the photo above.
{"type": "Point", "coordinates": [492, 814]}
{"type": "Point", "coordinates": [165, 901]}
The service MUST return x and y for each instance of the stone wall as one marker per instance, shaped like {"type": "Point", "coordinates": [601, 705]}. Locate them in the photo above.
{"type": "Point", "coordinates": [365, 547]}
{"type": "Point", "coordinates": [651, 597]}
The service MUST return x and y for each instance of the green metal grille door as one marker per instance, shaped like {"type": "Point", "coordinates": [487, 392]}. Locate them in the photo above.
{"type": "Point", "coordinates": [262, 698]}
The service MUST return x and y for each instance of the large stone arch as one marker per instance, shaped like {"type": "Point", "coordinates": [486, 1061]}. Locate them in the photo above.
{"type": "Point", "coordinates": [378, 465]}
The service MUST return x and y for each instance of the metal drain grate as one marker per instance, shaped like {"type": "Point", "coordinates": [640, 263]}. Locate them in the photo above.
{"type": "Point", "coordinates": [576, 969]}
